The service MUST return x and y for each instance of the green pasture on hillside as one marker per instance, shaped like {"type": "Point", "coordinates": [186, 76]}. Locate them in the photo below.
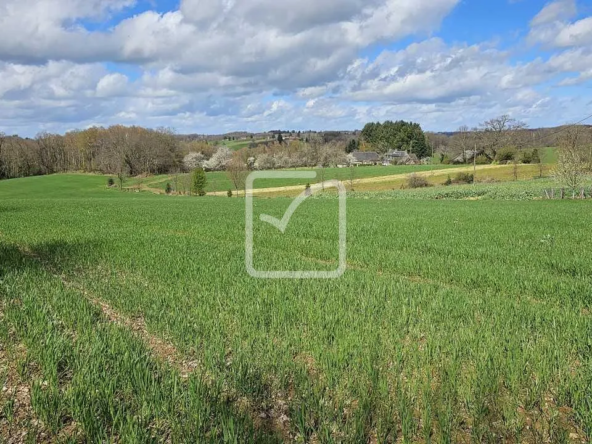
{"type": "Point", "coordinates": [218, 181]}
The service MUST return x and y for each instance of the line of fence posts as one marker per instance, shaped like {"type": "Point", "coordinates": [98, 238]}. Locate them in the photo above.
{"type": "Point", "coordinates": [550, 194]}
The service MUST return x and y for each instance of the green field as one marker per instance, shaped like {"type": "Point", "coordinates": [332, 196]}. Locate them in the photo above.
{"type": "Point", "coordinates": [236, 145]}
{"type": "Point", "coordinates": [129, 317]}
{"type": "Point", "coordinates": [219, 181]}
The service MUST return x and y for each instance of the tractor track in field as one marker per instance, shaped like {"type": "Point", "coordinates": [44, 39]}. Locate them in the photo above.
{"type": "Point", "coordinates": [18, 422]}
{"type": "Point", "coordinates": [16, 417]}
{"type": "Point", "coordinates": [274, 420]}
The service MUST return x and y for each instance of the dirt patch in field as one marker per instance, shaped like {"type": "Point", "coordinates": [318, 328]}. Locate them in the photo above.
{"type": "Point", "coordinates": [272, 418]}
{"type": "Point", "coordinates": [18, 422]}
{"type": "Point", "coordinates": [163, 350]}
{"type": "Point", "coordinates": [549, 423]}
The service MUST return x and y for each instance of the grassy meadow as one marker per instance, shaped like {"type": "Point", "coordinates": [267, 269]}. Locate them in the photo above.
{"type": "Point", "coordinates": [236, 145]}
{"type": "Point", "coordinates": [129, 317]}
{"type": "Point", "coordinates": [218, 181]}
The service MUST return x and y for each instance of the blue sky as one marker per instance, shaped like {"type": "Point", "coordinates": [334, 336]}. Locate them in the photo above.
{"type": "Point", "coordinates": [212, 66]}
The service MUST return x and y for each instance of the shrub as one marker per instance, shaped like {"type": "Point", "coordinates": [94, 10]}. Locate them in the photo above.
{"type": "Point", "coordinates": [525, 156]}
{"type": "Point", "coordinates": [482, 160]}
{"type": "Point", "coordinates": [110, 182]}
{"type": "Point", "coordinates": [448, 181]}
{"type": "Point", "coordinates": [506, 154]}
{"type": "Point", "coordinates": [444, 159]}
{"type": "Point", "coordinates": [416, 181]}
{"type": "Point", "coordinates": [464, 178]}
{"type": "Point", "coordinates": [229, 193]}
{"type": "Point", "coordinates": [534, 157]}
{"type": "Point", "coordinates": [168, 189]}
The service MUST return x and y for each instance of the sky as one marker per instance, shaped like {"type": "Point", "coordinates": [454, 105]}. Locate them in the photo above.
{"type": "Point", "coordinates": [216, 66]}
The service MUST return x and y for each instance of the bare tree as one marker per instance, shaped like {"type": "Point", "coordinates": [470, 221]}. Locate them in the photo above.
{"type": "Point", "coordinates": [498, 132]}
{"type": "Point", "coordinates": [316, 144]}
{"type": "Point", "coordinates": [2, 160]}
{"type": "Point", "coordinates": [440, 143]}
{"type": "Point", "coordinates": [350, 160]}
{"type": "Point", "coordinates": [571, 164]}
{"type": "Point", "coordinates": [237, 172]}
{"type": "Point", "coordinates": [461, 141]}
{"type": "Point", "coordinates": [121, 176]}
{"type": "Point", "coordinates": [352, 176]}
{"type": "Point", "coordinates": [51, 153]}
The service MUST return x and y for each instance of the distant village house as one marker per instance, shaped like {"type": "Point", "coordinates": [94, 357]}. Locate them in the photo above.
{"type": "Point", "coordinates": [395, 157]}
{"type": "Point", "coordinates": [365, 158]}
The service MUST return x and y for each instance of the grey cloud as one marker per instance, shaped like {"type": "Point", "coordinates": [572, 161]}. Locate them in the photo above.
{"type": "Point", "coordinates": [556, 10]}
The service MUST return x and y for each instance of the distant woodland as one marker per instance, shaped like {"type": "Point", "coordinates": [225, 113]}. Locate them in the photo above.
{"type": "Point", "coordinates": [133, 151]}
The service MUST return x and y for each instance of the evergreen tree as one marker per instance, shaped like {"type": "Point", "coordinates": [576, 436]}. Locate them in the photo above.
{"type": "Point", "coordinates": [199, 182]}
{"type": "Point", "coordinates": [352, 146]}
{"type": "Point", "coordinates": [400, 135]}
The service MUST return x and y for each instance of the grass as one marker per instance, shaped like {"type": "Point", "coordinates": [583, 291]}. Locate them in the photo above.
{"type": "Point", "coordinates": [510, 190]}
{"type": "Point", "coordinates": [219, 182]}
{"type": "Point", "coordinates": [548, 155]}
{"type": "Point", "coordinates": [503, 173]}
{"type": "Point", "coordinates": [456, 321]}
{"type": "Point", "coordinates": [236, 145]}
{"type": "Point", "coordinates": [487, 174]}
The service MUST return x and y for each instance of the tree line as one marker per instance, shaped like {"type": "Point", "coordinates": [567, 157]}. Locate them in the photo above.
{"type": "Point", "coordinates": [115, 150]}
{"type": "Point", "coordinates": [495, 138]}
{"type": "Point", "coordinates": [131, 151]}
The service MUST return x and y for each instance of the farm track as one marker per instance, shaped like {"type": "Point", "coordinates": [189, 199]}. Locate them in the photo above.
{"type": "Point", "coordinates": [147, 186]}
{"type": "Point", "coordinates": [16, 417]}
{"type": "Point", "coordinates": [271, 420]}
{"type": "Point", "coordinates": [390, 178]}
{"type": "Point", "coordinates": [18, 422]}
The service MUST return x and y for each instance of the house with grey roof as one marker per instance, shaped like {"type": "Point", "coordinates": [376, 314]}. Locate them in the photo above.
{"type": "Point", "coordinates": [394, 156]}
{"type": "Point", "coordinates": [401, 158]}
{"type": "Point", "coordinates": [365, 158]}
